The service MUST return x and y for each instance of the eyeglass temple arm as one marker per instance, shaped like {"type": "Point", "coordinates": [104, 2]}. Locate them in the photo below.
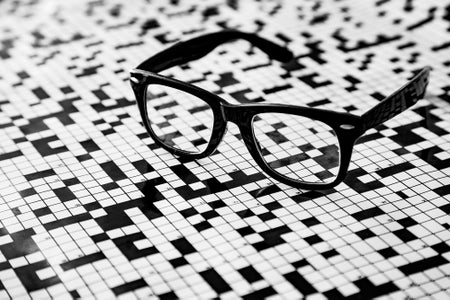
{"type": "Point", "coordinates": [198, 47]}
{"type": "Point", "coordinates": [397, 102]}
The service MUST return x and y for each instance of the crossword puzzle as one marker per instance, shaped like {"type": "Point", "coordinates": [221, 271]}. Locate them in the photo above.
{"type": "Point", "coordinates": [91, 207]}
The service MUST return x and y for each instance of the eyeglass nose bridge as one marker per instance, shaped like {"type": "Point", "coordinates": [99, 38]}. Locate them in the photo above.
{"type": "Point", "coordinates": [235, 114]}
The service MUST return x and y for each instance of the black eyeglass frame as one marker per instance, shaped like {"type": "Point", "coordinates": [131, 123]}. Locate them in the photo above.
{"type": "Point", "coordinates": [348, 127]}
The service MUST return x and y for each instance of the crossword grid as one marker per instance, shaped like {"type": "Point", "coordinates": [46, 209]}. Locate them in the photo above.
{"type": "Point", "coordinates": [91, 207]}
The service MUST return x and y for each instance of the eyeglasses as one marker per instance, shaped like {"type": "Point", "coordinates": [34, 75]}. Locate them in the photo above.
{"type": "Point", "coordinates": [303, 147]}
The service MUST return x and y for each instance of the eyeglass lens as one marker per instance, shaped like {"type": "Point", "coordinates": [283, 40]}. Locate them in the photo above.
{"type": "Point", "coordinates": [179, 119]}
{"type": "Point", "coordinates": [300, 148]}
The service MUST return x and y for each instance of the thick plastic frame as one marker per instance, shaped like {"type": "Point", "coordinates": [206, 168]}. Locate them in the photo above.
{"type": "Point", "coordinates": [348, 127]}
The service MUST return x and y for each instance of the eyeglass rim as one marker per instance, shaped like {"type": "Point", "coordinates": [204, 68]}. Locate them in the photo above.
{"type": "Point", "coordinates": [340, 122]}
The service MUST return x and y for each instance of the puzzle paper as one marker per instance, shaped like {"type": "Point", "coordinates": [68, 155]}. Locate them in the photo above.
{"type": "Point", "coordinates": [90, 206]}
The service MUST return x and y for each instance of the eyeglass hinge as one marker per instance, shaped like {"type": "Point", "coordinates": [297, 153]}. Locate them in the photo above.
{"type": "Point", "coordinates": [134, 79]}
{"type": "Point", "coordinates": [347, 127]}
